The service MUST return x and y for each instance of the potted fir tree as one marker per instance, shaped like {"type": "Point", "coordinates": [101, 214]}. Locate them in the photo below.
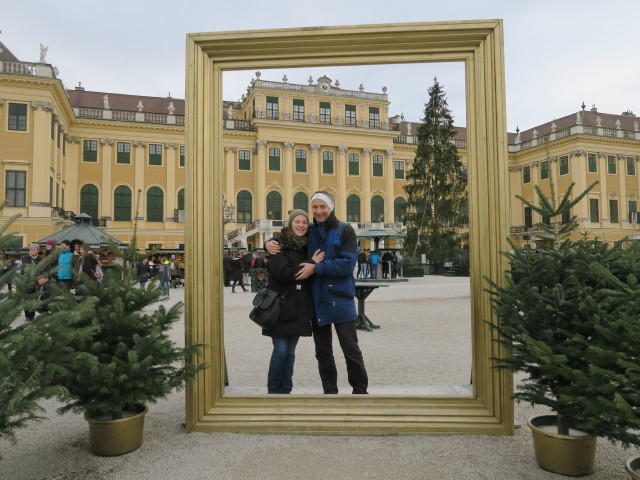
{"type": "Point", "coordinates": [568, 333]}
{"type": "Point", "coordinates": [128, 363]}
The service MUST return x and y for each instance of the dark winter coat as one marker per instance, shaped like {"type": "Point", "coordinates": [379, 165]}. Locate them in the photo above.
{"type": "Point", "coordinates": [297, 311]}
{"type": "Point", "coordinates": [88, 264]}
{"type": "Point", "coordinates": [236, 273]}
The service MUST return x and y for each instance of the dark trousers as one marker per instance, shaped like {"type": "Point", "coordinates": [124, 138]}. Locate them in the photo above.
{"type": "Point", "coordinates": [348, 338]}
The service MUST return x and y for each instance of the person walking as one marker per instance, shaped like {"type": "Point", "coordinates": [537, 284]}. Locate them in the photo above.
{"type": "Point", "coordinates": [227, 267]}
{"type": "Point", "coordinates": [296, 315]}
{"type": "Point", "coordinates": [237, 275]}
{"type": "Point", "coordinates": [333, 293]}
{"type": "Point", "coordinates": [143, 271]}
{"type": "Point", "coordinates": [362, 263]}
{"type": "Point", "coordinates": [165, 276]}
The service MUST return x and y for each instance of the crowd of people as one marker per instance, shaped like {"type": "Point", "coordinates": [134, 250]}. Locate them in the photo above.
{"type": "Point", "coordinates": [372, 265]}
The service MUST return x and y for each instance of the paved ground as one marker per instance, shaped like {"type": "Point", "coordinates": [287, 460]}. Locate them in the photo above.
{"type": "Point", "coordinates": [423, 345]}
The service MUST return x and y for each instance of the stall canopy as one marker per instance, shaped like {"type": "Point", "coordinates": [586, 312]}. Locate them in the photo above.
{"type": "Point", "coordinates": [83, 230]}
{"type": "Point", "coordinates": [378, 235]}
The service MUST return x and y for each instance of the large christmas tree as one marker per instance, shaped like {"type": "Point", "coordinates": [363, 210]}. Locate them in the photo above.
{"type": "Point", "coordinates": [436, 189]}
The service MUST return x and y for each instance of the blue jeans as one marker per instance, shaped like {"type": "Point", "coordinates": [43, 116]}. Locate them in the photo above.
{"type": "Point", "coordinates": [165, 289]}
{"type": "Point", "coordinates": [363, 270]}
{"type": "Point", "coordinates": [280, 376]}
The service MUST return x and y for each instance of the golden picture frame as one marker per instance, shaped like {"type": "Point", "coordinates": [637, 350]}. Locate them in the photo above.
{"type": "Point", "coordinates": [479, 45]}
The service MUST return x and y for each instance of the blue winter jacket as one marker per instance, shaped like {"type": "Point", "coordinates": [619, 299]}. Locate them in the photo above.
{"type": "Point", "coordinates": [64, 260]}
{"type": "Point", "coordinates": [333, 285]}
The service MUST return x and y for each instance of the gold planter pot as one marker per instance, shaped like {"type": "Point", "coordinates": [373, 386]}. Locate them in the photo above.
{"type": "Point", "coordinates": [116, 437]}
{"type": "Point", "coordinates": [633, 468]}
{"type": "Point", "coordinates": [572, 455]}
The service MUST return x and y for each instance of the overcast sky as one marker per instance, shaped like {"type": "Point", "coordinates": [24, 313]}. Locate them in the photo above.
{"type": "Point", "coordinates": [557, 53]}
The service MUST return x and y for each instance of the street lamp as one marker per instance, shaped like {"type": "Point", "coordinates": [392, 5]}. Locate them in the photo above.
{"type": "Point", "coordinates": [228, 212]}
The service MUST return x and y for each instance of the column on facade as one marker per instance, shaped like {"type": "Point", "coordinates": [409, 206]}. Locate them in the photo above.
{"type": "Point", "coordinates": [39, 205]}
{"type": "Point", "coordinates": [365, 201]}
{"type": "Point", "coordinates": [287, 178]}
{"type": "Point", "coordinates": [260, 180]}
{"type": "Point", "coordinates": [140, 162]}
{"type": "Point", "coordinates": [172, 191]}
{"type": "Point", "coordinates": [516, 213]}
{"type": "Point", "coordinates": [315, 167]}
{"type": "Point", "coordinates": [70, 176]}
{"type": "Point", "coordinates": [389, 174]}
{"type": "Point", "coordinates": [623, 218]}
{"type": "Point", "coordinates": [604, 193]}
{"type": "Point", "coordinates": [229, 179]}
{"type": "Point", "coordinates": [342, 171]}
{"type": "Point", "coordinates": [535, 180]}
{"type": "Point", "coordinates": [106, 194]}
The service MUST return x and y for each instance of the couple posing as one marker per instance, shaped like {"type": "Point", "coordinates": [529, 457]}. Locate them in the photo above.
{"type": "Point", "coordinates": [319, 293]}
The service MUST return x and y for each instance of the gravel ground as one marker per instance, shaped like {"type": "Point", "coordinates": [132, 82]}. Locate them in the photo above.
{"type": "Point", "coordinates": [423, 340]}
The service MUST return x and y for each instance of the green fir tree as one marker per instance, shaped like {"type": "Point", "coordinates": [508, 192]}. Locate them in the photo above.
{"type": "Point", "coordinates": [31, 352]}
{"type": "Point", "coordinates": [436, 209]}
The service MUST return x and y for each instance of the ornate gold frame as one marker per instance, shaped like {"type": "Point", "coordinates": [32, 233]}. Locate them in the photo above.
{"type": "Point", "coordinates": [479, 44]}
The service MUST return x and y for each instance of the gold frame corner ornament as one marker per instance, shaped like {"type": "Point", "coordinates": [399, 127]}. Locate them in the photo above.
{"type": "Point", "coordinates": [479, 44]}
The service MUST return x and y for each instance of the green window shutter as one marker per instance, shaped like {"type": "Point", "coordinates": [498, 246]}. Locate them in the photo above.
{"type": "Point", "coordinates": [377, 165]}
{"type": "Point", "coordinates": [631, 166]}
{"type": "Point", "coordinates": [298, 109]}
{"type": "Point", "coordinates": [181, 199]}
{"type": "Point", "coordinates": [16, 188]}
{"type": "Point", "coordinates": [377, 209]}
{"type": "Point", "coordinates": [633, 211]}
{"type": "Point", "coordinates": [613, 211]}
{"type": "Point", "coordinates": [244, 208]}
{"type": "Point", "coordinates": [301, 201]}
{"type": "Point", "coordinates": [327, 163]}
{"type": "Point", "coordinates": [89, 199]}
{"type": "Point", "coordinates": [301, 161]}
{"type": "Point", "coordinates": [155, 205]}
{"type": "Point", "coordinates": [563, 161]}
{"type": "Point", "coordinates": [399, 209]}
{"type": "Point", "coordinates": [544, 170]}
{"type": "Point", "coordinates": [90, 151]}
{"type": "Point", "coordinates": [594, 211]}
{"type": "Point", "coordinates": [526, 174]}
{"type": "Point", "coordinates": [399, 170]}
{"type": "Point", "coordinates": [353, 208]}
{"type": "Point", "coordinates": [244, 159]}
{"type": "Point", "coordinates": [325, 112]}
{"type": "Point", "coordinates": [374, 117]}
{"type": "Point", "coordinates": [123, 155]}
{"type": "Point", "coordinates": [272, 107]}
{"type": "Point", "coordinates": [350, 114]}
{"type": "Point", "coordinates": [155, 154]}
{"type": "Point", "coordinates": [274, 159]}
{"type": "Point", "coordinates": [122, 204]}
{"type": "Point", "coordinates": [274, 206]}
{"type": "Point", "coordinates": [592, 163]}
{"type": "Point", "coordinates": [611, 165]}
{"type": "Point", "coordinates": [182, 155]}
{"type": "Point", "coordinates": [354, 164]}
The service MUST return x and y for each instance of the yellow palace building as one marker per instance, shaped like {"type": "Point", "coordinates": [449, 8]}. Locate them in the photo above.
{"type": "Point", "coordinates": [116, 156]}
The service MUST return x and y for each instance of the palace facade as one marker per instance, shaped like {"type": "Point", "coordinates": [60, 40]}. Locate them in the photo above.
{"type": "Point", "coordinates": [121, 159]}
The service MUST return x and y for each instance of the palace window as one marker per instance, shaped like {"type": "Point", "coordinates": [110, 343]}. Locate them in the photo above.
{"type": "Point", "coordinates": [544, 170]}
{"type": "Point", "coordinates": [244, 209]}
{"type": "Point", "coordinates": [89, 199]}
{"type": "Point", "coordinates": [350, 114]}
{"type": "Point", "coordinates": [155, 154]}
{"type": "Point", "coordinates": [398, 167]}
{"type": "Point", "coordinates": [327, 163]}
{"type": "Point", "coordinates": [181, 199]}
{"type": "Point", "coordinates": [594, 210]}
{"type": "Point", "coordinates": [122, 204]}
{"type": "Point", "coordinates": [272, 107]}
{"type": "Point", "coordinates": [592, 163]}
{"type": "Point", "coordinates": [613, 211]}
{"type": "Point", "coordinates": [611, 165]}
{"type": "Point", "coordinates": [528, 217]}
{"type": "Point", "coordinates": [274, 159]}
{"type": "Point", "coordinates": [16, 188]}
{"type": "Point", "coordinates": [353, 208]}
{"type": "Point", "coordinates": [301, 161]}
{"type": "Point", "coordinates": [633, 211]}
{"type": "Point", "coordinates": [377, 165]}
{"type": "Point", "coordinates": [325, 112]}
{"type": "Point", "coordinates": [374, 117]}
{"type": "Point", "coordinates": [18, 117]}
{"type": "Point", "coordinates": [90, 151]}
{"type": "Point", "coordinates": [563, 161]}
{"type": "Point", "coordinates": [377, 209]}
{"type": "Point", "coordinates": [526, 174]}
{"type": "Point", "coordinates": [399, 209]}
{"type": "Point", "coordinates": [123, 153]}
{"type": "Point", "coordinates": [301, 201]}
{"type": "Point", "coordinates": [631, 166]}
{"type": "Point", "coordinates": [155, 205]}
{"type": "Point", "coordinates": [182, 155]}
{"type": "Point", "coordinates": [274, 206]}
{"type": "Point", "coordinates": [298, 109]}
{"type": "Point", "coordinates": [244, 159]}
{"type": "Point", "coordinates": [354, 164]}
